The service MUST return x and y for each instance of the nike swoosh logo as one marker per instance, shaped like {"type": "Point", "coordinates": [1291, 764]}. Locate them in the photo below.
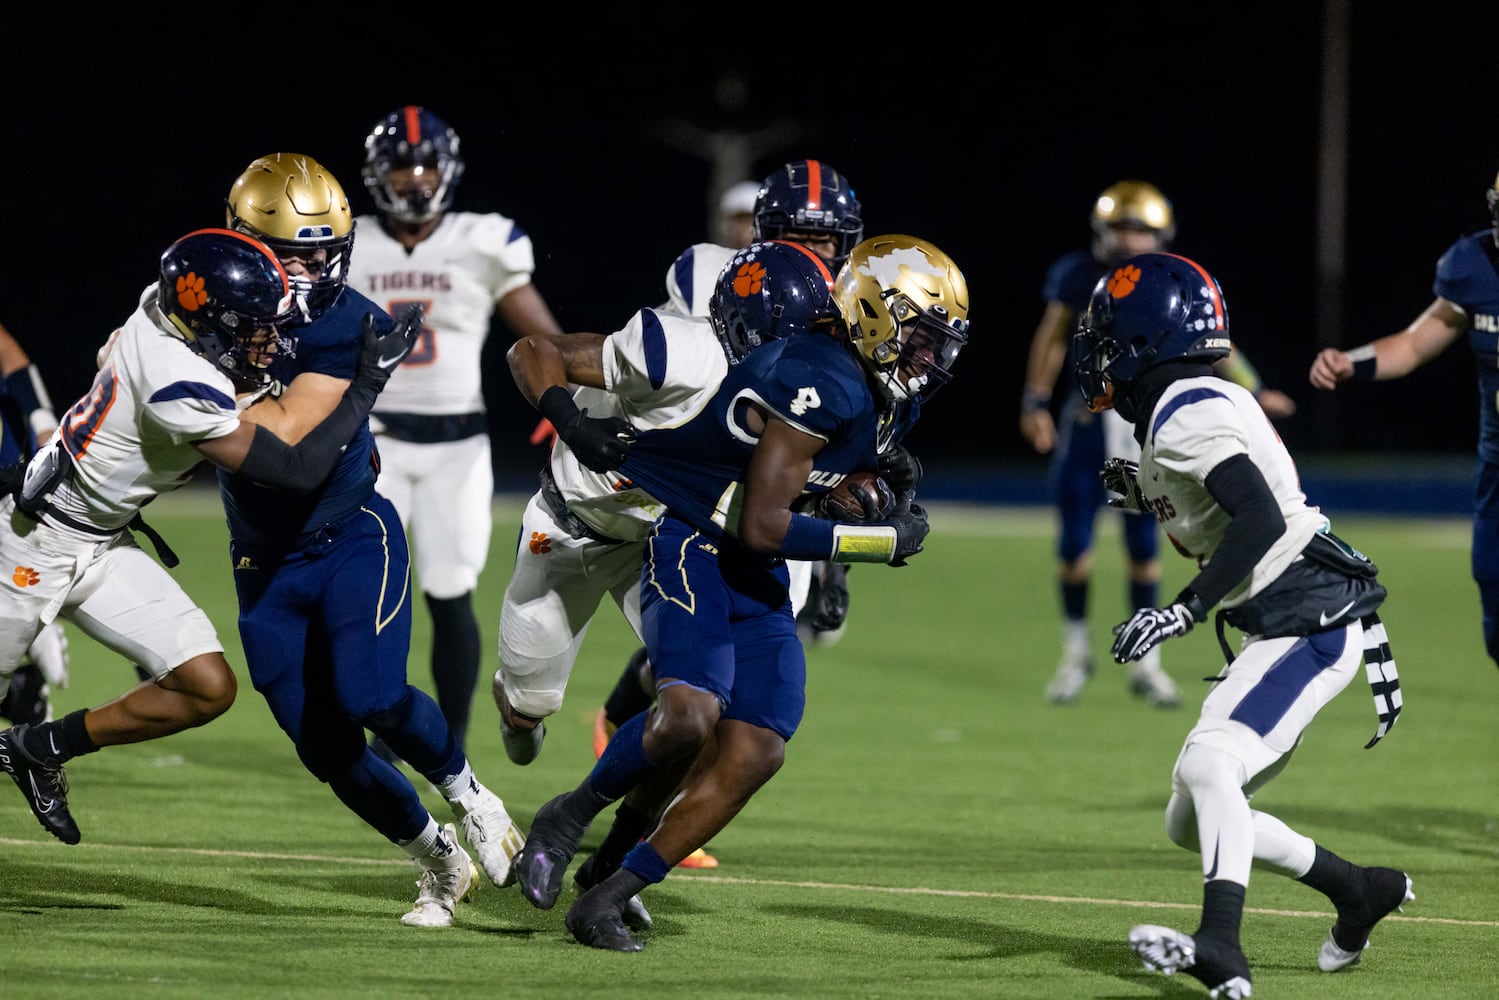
{"type": "Point", "coordinates": [1326, 621]}
{"type": "Point", "coordinates": [390, 362]}
{"type": "Point", "coordinates": [43, 805]}
{"type": "Point", "coordinates": [1213, 871]}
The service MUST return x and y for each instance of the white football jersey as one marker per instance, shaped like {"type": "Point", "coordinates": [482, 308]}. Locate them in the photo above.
{"type": "Point", "coordinates": [470, 262]}
{"type": "Point", "coordinates": [131, 436]}
{"type": "Point", "coordinates": [1197, 424]}
{"type": "Point", "coordinates": [660, 370]}
{"type": "Point", "coordinates": [692, 277]}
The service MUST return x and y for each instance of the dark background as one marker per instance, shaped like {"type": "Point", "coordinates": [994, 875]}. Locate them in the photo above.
{"type": "Point", "coordinates": [989, 139]}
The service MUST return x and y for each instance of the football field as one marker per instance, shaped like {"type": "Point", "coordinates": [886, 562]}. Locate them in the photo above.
{"type": "Point", "coordinates": [939, 829]}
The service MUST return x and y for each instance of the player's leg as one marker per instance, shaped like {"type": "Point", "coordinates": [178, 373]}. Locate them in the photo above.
{"type": "Point", "coordinates": [450, 526]}
{"type": "Point", "coordinates": [1077, 488]}
{"type": "Point", "coordinates": [552, 595]}
{"type": "Point", "coordinates": [1147, 678]}
{"type": "Point", "coordinates": [1485, 553]}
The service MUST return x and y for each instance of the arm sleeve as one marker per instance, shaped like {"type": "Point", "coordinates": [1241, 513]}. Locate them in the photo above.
{"type": "Point", "coordinates": [301, 467]}
{"type": "Point", "coordinates": [1240, 489]}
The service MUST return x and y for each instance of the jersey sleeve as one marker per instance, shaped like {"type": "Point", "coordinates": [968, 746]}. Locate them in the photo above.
{"type": "Point", "coordinates": [1461, 268]}
{"type": "Point", "coordinates": [660, 359]}
{"type": "Point", "coordinates": [807, 391]}
{"type": "Point", "coordinates": [1195, 431]}
{"type": "Point", "coordinates": [507, 251]}
{"type": "Point", "coordinates": [1070, 280]}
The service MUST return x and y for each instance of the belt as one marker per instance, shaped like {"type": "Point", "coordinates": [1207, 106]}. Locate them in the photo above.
{"type": "Point", "coordinates": [557, 507]}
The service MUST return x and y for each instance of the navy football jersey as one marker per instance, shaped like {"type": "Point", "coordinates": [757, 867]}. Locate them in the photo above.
{"type": "Point", "coordinates": [329, 345]}
{"type": "Point", "coordinates": [812, 382]}
{"type": "Point", "coordinates": [1466, 275]}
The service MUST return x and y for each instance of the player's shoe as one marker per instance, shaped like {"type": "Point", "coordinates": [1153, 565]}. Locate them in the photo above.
{"type": "Point", "coordinates": [599, 925]}
{"type": "Point", "coordinates": [1148, 680]}
{"type": "Point", "coordinates": [542, 863]}
{"type": "Point", "coordinates": [492, 834]}
{"type": "Point", "coordinates": [27, 700]}
{"type": "Point", "coordinates": [635, 915]}
{"type": "Point", "coordinates": [521, 745]}
{"type": "Point", "coordinates": [603, 732]}
{"type": "Point", "coordinates": [1221, 967]}
{"type": "Point", "coordinates": [1385, 890]}
{"type": "Point", "coordinates": [444, 883]}
{"type": "Point", "coordinates": [45, 788]}
{"type": "Point", "coordinates": [1072, 673]}
{"type": "Point", "coordinates": [698, 859]}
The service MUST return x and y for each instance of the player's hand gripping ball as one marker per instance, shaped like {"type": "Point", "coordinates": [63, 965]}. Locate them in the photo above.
{"type": "Point", "coordinates": [861, 496]}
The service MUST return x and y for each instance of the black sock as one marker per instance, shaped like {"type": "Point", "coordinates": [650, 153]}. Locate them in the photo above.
{"type": "Point", "coordinates": [455, 659]}
{"type": "Point", "coordinates": [1075, 601]}
{"type": "Point", "coordinates": [1222, 911]}
{"type": "Point", "coordinates": [616, 890]}
{"type": "Point", "coordinates": [630, 824]}
{"type": "Point", "coordinates": [582, 804]}
{"type": "Point", "coordinates": [58, 742]}
{"type": "Point", "coordinates": [629, 698]}
{"type": "Point", "coordinates": [1332, 876]}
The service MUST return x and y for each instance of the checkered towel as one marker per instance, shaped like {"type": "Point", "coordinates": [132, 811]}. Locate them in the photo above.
{"type": "Point", "coordinates": [1384, 682]}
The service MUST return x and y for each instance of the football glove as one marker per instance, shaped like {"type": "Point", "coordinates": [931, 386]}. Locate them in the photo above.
{"type": "Point", "coordinates": [1148, 628]}
{"type": "Point", "coordinates": [827, 607]}
{"type": "Point", "coordinates": [900, 468]}
{"type": "Point", "coordinates": [380, 354]}
{"type": "Point", "coordinates": [601, 443]}
{"type": "Point", "coordinates": [911, 527]}
{"type": "Point", "coordinates": [1122, 476]}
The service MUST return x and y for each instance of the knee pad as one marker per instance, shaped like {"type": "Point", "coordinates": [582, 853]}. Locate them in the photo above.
{"type": "Point", "coordinates": [527, 689]}
{"type": "Point", "coordinates": [1204, 764]}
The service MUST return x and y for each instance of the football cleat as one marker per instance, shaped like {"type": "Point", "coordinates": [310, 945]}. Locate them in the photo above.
{"type": "Point", "coordinates": [542, 863]}
{"type": "Point", "coordinates": [1148, 680]}
{"type": "Point", "coordinates": [603, 732]}
{"type": "Point", "coordinates": [698, 859]}
{"type": "Point", "coordinates": [1071, 676]}
{"type": "Point", "coordinates": [445, 882]}
{"type": "Point", "coordinates": [492, 834]}
{"type": "Point", "coordinates": [1385, 890]}
{"type": "Point", "coordinates": [599, 925]}
{"type": "Point", "coordinates": [521, 745]}
{"type": "Point", "coordinates": [45, 788]}
{"type": "Point", "coordinates": [635, 915]}
{"type": "Point", "coordinates": [1221, 967]}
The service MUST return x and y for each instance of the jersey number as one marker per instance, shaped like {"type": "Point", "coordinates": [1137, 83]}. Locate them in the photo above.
{"type": "Point", "coordinates": [806, 399]}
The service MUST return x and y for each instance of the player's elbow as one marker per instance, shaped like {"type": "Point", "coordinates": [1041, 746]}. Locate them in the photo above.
{"type": "Point", "coordinates": [763, 531]}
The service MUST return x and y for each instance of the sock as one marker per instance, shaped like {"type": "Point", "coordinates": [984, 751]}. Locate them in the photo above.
{"type": "Point", "coordinates": [461, 788]}
{"type": "Point", "coordinates": [1222, 911]}
{"type": "Point", "coordinates": [1143, 595]}
{"type": "Point", "coordinates": [1332, 876]}
{"type": "Point", "coordinates": [58, 742]}
{"type": "Point", "coordinates": [623, 764]}
{"type": "Point", "coordinates": [645, 862]}
{"type": "Point", "coordinates": [431, 844]}
{"type": "Point", "coordinates": [629, 698]}
{"type": "Point", "coordinates": [455, 658]}
{"type": "Point", "coordinates": [630, 824]}
{"type": "Point", "coordinates": [1075, 601]}
{"type": "Point", "coordinates": [615, 891]}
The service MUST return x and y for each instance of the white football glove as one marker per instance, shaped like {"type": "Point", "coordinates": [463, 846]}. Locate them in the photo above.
{"type": "Point", "coordinates": [1122, 476]}
{"type": "Point", "coordinates": [1148, 628]}
{"type": "Point", "coordinates": [49, 651]}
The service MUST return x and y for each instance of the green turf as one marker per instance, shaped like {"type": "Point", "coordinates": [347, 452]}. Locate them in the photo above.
{"type": "Point", "coordinates": [939, 829]}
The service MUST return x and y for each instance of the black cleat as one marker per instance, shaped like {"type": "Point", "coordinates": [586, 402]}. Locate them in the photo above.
{"type": "Point", "coordinates": [1384, 890]}
{"type": "Point", "coordinates": [599, 927]}
{"type": "Point", "coordinates": [25, 700]}
{"type": "Point", "coordinates": [542, 863]}
{"type": "Point", "coordinates": [45, 788]}
{"type": "Point", "coordinates": [635, 915]}
{"type": "Point", "coordinates": [1219, 966]}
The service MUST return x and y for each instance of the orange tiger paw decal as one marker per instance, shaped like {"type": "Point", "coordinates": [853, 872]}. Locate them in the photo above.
{"type": "Point", "coordinates": [748, 278]}
{"type": "Point", "coordinates": [540, 543]}
{"type": "Point", "coordinates": [190, 293]}
{"type": "Point", "coordinates": [1123, 281]}
{"type": "Point", "coordinates": [25, 576]}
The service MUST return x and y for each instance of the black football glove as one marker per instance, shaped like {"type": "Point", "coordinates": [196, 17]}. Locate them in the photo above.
{"type": "Point", "coordinates": [911, 527]}
{"type": "Point", "coordinates": [900, 468]}
{"type": "Point", "coordinates": [1122, 476]}
{"type": "Point", "coordinates": [827, 608]}
{"type": "Point", "coordinates": [601, 443]}
{"type": "Point", "coordinates": [380, 354]}
{"type": "Point", "coordinates": [1149, 627]}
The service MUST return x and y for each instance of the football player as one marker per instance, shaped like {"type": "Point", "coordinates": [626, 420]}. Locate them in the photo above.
{"type": "Point", "coordinates": [1466, 306]}
{"type": "Point", "coordinates": [436, 466]}
{"type": "Point", "coordinates": [786, 423]}
{"type": "Point", "coordinates": [1129, 217]}
{"type": "Point", "coordinates": [166, 399]}
{"type": "Point", "coordinates": [1214, 473]}
{"type": "Point", "coordinates": [322, 576]}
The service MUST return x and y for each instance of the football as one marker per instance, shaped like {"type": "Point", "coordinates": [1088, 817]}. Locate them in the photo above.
{"type": "Point", "coordinates": [861, 496]}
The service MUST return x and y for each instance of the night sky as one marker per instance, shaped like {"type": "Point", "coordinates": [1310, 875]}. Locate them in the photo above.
{"type": "Point", "coordinates": [990, 142]}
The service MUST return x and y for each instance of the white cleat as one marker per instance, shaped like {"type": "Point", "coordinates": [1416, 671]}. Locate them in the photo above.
{"type": "Point", "coordinates": [1067, 683]}
{"type": "Point", "coordinates": [492, 834]}
{"type": "Point", "coordinates": [1148, 680]}
{"type": "Point", "coordinates": [448, 882]}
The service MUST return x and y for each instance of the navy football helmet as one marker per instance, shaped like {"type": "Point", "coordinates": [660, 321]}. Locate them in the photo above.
{"type": "Point", "coordinates": [412, 137]}
{"type": "Point", "coordinates": [1151, 309]}
{"type": "Point", "coordinates": [225, 294]}
{"type": "Point", "coordinates": [290, 202]}
{"type": "Point", "coordinates": [808, 196]}
{"type": "Point", "coordinates": [767, 291]}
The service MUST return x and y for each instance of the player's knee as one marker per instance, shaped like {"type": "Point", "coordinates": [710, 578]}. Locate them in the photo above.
{"type": "Point", "coordinates": [1203, 766]}
{"type": "Point", "coordinates": [1181, 822]}
{"type": "Point", "coordinates": [681, 722]}
{"type": "Point", "coordinates": [523, 696]}
{"type": "Point", "coordinates": [207, 684]}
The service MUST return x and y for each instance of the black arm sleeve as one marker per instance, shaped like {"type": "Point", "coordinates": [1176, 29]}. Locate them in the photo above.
{"type": "Point", "coordinates": [1240, 489]}
{"type": "Point", "coordinates": [302, 467]}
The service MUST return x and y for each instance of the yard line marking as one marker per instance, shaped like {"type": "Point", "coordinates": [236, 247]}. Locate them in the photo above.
{"type": "Point", "coordinates": [679, 877]}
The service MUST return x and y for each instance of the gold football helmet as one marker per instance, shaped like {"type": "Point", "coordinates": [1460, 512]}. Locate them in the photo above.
{"type": "Point", "coordinates": [905, 304]}
{"type": "Point", "coordinates": [296, 207]}
{"type": "Point", "coordinates": [1131, 205]}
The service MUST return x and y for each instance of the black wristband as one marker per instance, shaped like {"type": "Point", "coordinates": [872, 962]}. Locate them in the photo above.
{"type": "Point", "coordinates": [1189, 600]}
{"type": "Point", "coordinates": [1031, 401]}
{"type": "Point", "coordinates": [1365, 362]}
{"type": "Point", "coordinates": [556, 404]}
